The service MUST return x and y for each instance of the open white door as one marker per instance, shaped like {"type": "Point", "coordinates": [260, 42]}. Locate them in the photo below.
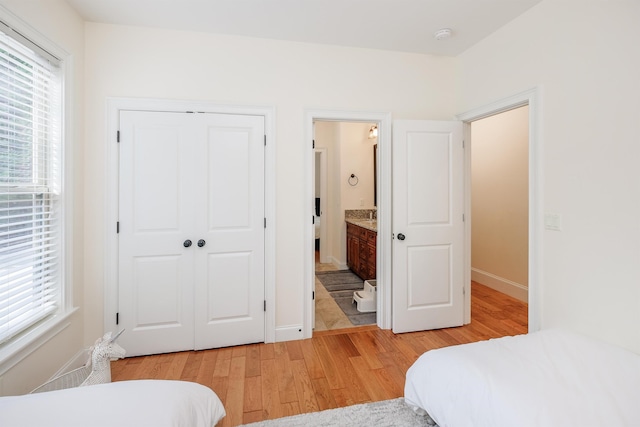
{"type": "Point", "coordinates": [428, 225]}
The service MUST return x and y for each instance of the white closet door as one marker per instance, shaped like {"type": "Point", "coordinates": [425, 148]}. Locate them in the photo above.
{"type": "Point", "coordinates": [229, 307]}
{"type": "Point", "coordinates": [157, 195]}
{"type": "Point", "coordinates": [194, 178]}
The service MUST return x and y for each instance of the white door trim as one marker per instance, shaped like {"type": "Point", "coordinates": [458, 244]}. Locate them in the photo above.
{"type": "Point", "coordinates": [114, 106]}
{"type": "Point", "coordinates": [383, 253]}
{"type": "Point", "coordinates": [532, 99]}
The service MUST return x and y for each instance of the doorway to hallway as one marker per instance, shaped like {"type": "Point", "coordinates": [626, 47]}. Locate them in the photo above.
{"type": "Point", "coordinates": [500, 202]}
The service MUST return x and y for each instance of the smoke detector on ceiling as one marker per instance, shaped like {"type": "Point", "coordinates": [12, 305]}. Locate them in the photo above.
{"type": "Point", "coordinates": [442, 34]}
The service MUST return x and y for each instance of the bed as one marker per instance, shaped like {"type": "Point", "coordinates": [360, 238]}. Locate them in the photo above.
{"type": "Point", "coordinates": [157, 403]}
{"type": "Point", "coordinates": [547, 378]}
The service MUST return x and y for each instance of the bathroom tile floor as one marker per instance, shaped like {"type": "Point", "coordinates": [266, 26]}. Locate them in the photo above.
{"type": "Point", "coordinates": [328, 315]}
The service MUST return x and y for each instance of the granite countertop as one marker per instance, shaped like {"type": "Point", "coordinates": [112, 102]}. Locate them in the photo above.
{"type": "Point", "coordinates": [364, 223]}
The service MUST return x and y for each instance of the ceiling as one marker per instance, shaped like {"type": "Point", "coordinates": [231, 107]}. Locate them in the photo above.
{"type": "Point", "coordinates": [400, 25]}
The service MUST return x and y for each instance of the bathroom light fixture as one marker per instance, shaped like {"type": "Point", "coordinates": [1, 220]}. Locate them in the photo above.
{"type": "Point", "coordinates": [373, 132]}
{"type": "Point", "coordinates": [442, 34]}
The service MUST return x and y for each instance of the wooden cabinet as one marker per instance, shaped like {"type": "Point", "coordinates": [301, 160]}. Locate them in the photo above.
{"type": "Point", "coordinates": [361, 251]}
{"type": "Point", "coordinates": [353, 251]}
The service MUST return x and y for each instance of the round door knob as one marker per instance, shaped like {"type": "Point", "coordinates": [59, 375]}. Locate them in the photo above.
{"type": "Point", "coordinates": [187, 243]}
{"type": "Point", "coordinates": [401, 236]}
{"type": "Point", "coordinates": [201, 243]}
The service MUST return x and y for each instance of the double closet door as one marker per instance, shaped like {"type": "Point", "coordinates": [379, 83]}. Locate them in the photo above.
{"type": "Point", "coordinates": [191, 231]}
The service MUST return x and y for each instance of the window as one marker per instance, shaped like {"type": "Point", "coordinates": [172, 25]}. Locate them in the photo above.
{"type": "Point", "coordinates": [31, 221]}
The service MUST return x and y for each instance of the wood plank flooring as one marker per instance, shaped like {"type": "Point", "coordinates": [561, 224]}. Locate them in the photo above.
{"type": "Point", "coordinates": [333, 369]}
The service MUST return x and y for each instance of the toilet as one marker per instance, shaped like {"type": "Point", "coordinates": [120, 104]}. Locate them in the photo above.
{"type": "Point", "coordinates": [366, 298]}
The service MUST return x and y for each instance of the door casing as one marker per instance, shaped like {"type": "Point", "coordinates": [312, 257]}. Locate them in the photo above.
{"type": "Point", "coordinates": [383, 253]}
{"type": "Point", "coordinates": [114, 106]}
{"type": "Point", "coordinates": [531, 98]}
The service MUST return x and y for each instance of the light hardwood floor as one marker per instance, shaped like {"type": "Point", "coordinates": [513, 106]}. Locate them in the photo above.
{"type": "Point", "coordinates": [333, 369]}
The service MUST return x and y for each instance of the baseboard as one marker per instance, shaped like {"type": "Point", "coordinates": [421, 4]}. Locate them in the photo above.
{"type": "Point", "coordinates": [513, 289]}
{"type": "Point", "coordinates": [289, 333]}
{"type": "Point", "coordinates": [339, 265]}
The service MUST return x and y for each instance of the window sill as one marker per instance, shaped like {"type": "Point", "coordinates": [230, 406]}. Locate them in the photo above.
{"type": "Point", "coordinates": [14, 351]}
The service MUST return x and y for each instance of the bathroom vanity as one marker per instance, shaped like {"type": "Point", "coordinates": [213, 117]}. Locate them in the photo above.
{"type": "Point", "coordinates": [361, 247]}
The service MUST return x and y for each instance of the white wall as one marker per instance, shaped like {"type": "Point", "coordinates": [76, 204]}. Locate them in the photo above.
{"type": "Point", "coordinates": [57, 22]}
{"type": "Point", "coordinates": [327, 136]}
{"type": "Point", "coordinates": [126, 61]}
{"type": "Point", "coordinates": [584, 56]}
{"type": "Point", "coordinates": [500, 202]}
{"type": "Point", "coordinates": [357, 159]}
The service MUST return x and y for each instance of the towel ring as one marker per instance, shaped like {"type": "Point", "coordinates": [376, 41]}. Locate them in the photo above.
{"type": "Point", "coordinates": [353, 180]}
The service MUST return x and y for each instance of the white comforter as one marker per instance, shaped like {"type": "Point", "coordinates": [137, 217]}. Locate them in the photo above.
{"type": "Point", "coordinates": [156, 403]}
{"type": "Point", "coordinates": [548, 378]}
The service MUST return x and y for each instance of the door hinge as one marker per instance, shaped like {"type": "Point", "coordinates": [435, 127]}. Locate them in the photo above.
{"type": "Point", "coordinates": [118, 136]}
{"type": "Point", "coordinates": [118, 227]}
{"type": "Point", "coordinates": [463, 143]}
{"type": "Point", "coordinates": [313, 220]}
{"type": "Point", "coordinates": [117, 318]}
{"type": "Point", "coordinates": [265, 223]}
{"type": "Point", "coordinates": [265, 305]}
{"type": "Point", "coordinates": [313, 295]}
{"type": "Point", "coordinates": [313, 143]}
{"type": "Point", "coordinates": [265, 140]}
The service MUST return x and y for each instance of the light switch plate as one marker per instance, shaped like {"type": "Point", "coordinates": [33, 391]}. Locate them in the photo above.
{"type": "Point", "coordinates": [553, 221]}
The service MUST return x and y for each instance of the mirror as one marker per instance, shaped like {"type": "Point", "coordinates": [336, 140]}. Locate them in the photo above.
{"type": "Point", "coordinates": [375, 175]}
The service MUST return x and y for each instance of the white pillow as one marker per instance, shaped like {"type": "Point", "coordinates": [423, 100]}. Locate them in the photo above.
{"type": "Point", "coordinates": [157, 403]}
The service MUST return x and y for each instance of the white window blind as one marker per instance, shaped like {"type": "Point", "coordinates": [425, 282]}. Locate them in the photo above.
{"type": "Point", "coordinates": [30, 184]}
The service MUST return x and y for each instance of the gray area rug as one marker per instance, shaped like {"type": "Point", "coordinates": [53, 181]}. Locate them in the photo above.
{"type": "Point", "coordinates": [340, 280]}
{"type": "Point", "coordinates": [387, 413]}
{"type": "Point", "coordinates": [340, 285]}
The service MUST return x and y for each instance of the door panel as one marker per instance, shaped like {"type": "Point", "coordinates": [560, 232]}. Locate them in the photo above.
{"type": "Point", "coordinates": [155, 308]}
{"type": "Point", "coordinates": [428, 166]}
{"type": "Point", "coordinates": [230, 305]}
{"type": "Point", "coordinates": [157, 291]}
{"type": "Point", "coordinates": [229, 177]}
{"type": "Point", "coordinates": [156, 177]}
{"type": "Point", "coordinates": [432, 262]}
{"type": "Point", "coordinates": [228, 299]}
{"type": "Point", "coordinates": [429, 186]}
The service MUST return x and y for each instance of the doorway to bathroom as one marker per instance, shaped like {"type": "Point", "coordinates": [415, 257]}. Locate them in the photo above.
{"type": "Point", "coordinates": [345, 223]}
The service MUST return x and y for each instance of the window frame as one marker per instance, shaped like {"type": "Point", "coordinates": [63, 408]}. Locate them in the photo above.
{"type": "Point", "coordinates": [18, 348]}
